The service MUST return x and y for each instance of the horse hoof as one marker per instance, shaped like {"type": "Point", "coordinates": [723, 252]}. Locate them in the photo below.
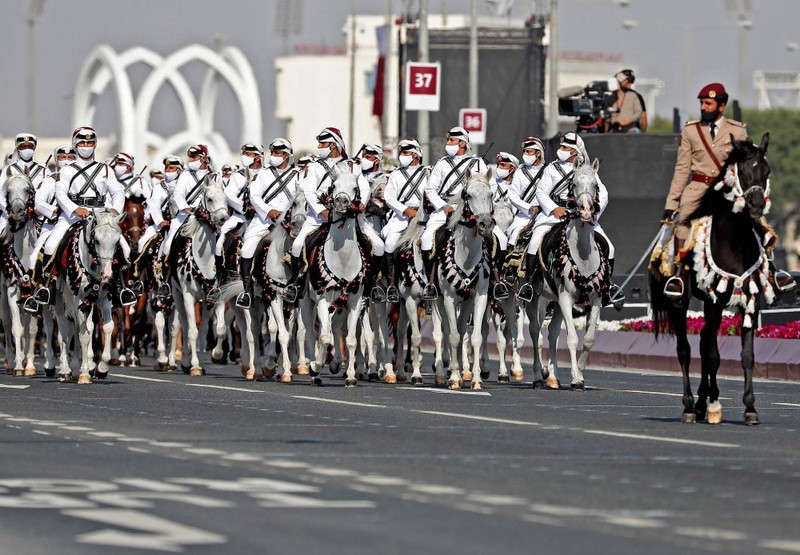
{"type": "Point", "coordinates": [552, 382]}
{"type": "Point", "coordinates": [302, 370]}
{"type": "Point", "coordinates": [117, 362]}
{"type": "Point", "coordinates": [502, 379]}
{"type": "Point", "coordinates": [689, 418]}
{"type": "Point", "coordinates": [316, 381]}
{"type": "Point", "coordinates": [477, 386]}
{"type": "Point", "coordinates": [467, 376]}
{"type": "Point", "coordinates": [65, 377]}
{"type": "Point", "coordinates": [373, 377]}
{"type": "Point", "coordinates": [186, 369]}
{"type": "Point", "coordinates": [30, 372]}
{"type": "Point", "coordinates": [244, 370]}
{"type": "Point", "coordinates": [714, 413]}
{"type": "Point", "coordinates": [484, 374]}
{"type": "Point", "coordinates": [218, 360]}
{"type": "Point", "coordinates": [416, 380]}
{"type": "Point", "coordinates": [19, 372]}
{"type": "Point", "coordinates": [196, 372]}
{"type": "Point", "coordinates": [751, 419]}
{"type": "Point", "coordinates": [390, 378]}
{"type": "Point", "coordinates": [401, 378]}
{"type": "Point", "coordinates": [134, 363]}
{"type": "Point", "coordinates": [350, 382]}
{"type": "Point", "coordinates": [49, 372]}
{"type": "Point", "coordinates": [538, 384]}
{"type": "Point", "coordinates": [84, 379]}
{"type": "Point", "coordinates": [249, 374]}
{"type": "Point", "coordinates": [285, 378]}
{"type": "Point", "coordinates": [578, 386]}
{"type": "Point", "coordinates": [335, 367]}
{"type": "Point", "coordinates": [100, 375]}
{"type": "Point", "coordinates": [267, 373]}
{"type": "Point", "coordinates": [440, 380]}
{"type": "Point", "coordinates": [455, 384]}
{"type": "Point", "coordinates": [517, 375]}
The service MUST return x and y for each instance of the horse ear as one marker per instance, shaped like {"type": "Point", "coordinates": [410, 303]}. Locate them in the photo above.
{"type": "Point", "coordinates": [596, 165]}
{"type": "Point", "coordinates": [26, 170]}
{"type": "Point", "coordinates": [121, 217]}
{"type": "Point", "coordinates": [8, 171]}
{"type": "Point", "coordinates": [764, 143]}
{"type": "Point", "coordinates": [488, 174]}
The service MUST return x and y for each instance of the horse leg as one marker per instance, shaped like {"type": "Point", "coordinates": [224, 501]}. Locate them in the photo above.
{"type": "Point", "coordinates": [284, 339]}
{"type": "Point", "coordinates": [191, 336]}
{"type": "Point", "coordinates": [325, 338]}
{"type": "Point", "coordinates": [535, 311]}
{"type": "Point", "coordinates": [162, 362]}
{"type": "Point", "coordinates": [500, 329]}
{"type": "Point", "coordinates": [588, 343]}
{"type": "Point", "coordinates": [677, 323]}
{"type": "Point", "coordinates": [49, 355]}
{"type": "Point", "coordinates": [478, 313]}
{"type": "Point", "coordinates": [248, 345]}
{"type": "Point", "coordinates": [454, 339]}
{"type": "Point", "coordinates": [351, 341]}
{"type": "Point", "coordinates": [553, 331]}
{"type": "Point", "coordinates": [85, 332]}
{"type": "Point", "coordinates": [748, 359]}
{"type": "Point", "coordinates": [709, 363]}
{"type": "Point", "coordinates": [108, 328]}
{"type": "Point", "coordinates": [65, 332]}
{"type": "Point", "coordinates": [17, 332]}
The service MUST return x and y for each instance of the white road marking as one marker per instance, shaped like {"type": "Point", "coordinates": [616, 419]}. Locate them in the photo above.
{"type": "Point", "coordinates": [15, 386]}
{"type": "Point", "coordinates": [4, 415]}
{"type": "Point", "coordinates": [657, 393]}
{"type": "Point", "coordinates": [280, 463]}
{"type": "Point", "coordinates": [140, 499]}
{"type": "Point", "coordinates": [173, 444]}
{"type": "Point", "coordinates": [434, 489]}
{"type": "Point", "coordinates": [445, 391]}
{"type": "Point", "coordinates": [781, 545]}
{"type": "Point", "coordinates": [560, 510]}
{"type": "Point", "coordinates": [48, 423]}
{"type": "Point", "coordinates": [138, 450]}
{"type": "Point", "coordinates": [291, 501]}
{"type": "Point", "coordinates": [71, 428]}
{"type": "Point", "coordinates": [106, 434]}
{"type": "Point", "coordinates": [711, 533]}
{"type": "Point", "coordinates": [225, 387]}
{"type": "Point", "coordinates": [377, 480]}
{"type": "Point", "coordinates": [204, 451]}
{"type": "Point", "coordinates": [244, 457]}
{"type": "Point", "coordinates": [41, 432]}
{"type": "Point", "coordinates": [787, 404]}
{"type": "Point", "coordinates": [481, 418]}
{"type": "Point", "coordinates": [142, 378]}
{"type": "Point", "coordinates": [151, 485]}
{"type": "Point", "coordinates": [665, 439]}
{"type": "Point", "coordinates": [633, 522]}
{"type": "Point", "coordinates": [133, 439]}
{"type": "Point", "coordinates": [352, 403]}
{"type": "Point", "coordinates": [497, 499]}
{"type": "Point", "coordinates": [325, 471]}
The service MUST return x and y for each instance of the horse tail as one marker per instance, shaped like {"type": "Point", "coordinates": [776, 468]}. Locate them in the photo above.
{"type": "Point", "coordinates": [190, 227]}
{"type": "Point", "coordinates": [659, 307]}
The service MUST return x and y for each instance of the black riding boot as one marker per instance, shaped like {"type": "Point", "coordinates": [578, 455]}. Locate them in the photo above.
{"type": "Point", "coordinates": [615, 294]}
{"type": "Point", "coordinates": [44, 294]}
{"type": "Point", "coordinates": [377, 294]}
{"type": "Point", "coordinates": [527, 291]}
{"type": "Point", "coordinates": [500, 290]}
{"type": "Point", "coordinates": [392, 294]}
{"type": "Point", "coordinates": [430, 293]}
{"type": "Point", "coordinates": [297, 284]}
{"type": "Point", "coordinates": [245, 298]}
{"type": "Point", "coordinates": [162, 277]}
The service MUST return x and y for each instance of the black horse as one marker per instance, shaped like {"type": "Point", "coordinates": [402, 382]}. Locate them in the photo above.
{"type": "Point", "coordinates": [736, 275]}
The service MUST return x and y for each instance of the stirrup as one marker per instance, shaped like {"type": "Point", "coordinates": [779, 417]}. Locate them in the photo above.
{"type": "Point", "coordinates": [787, 279]}
{"type": "Point", "coordinates": [616, 296]}
{"type": "Point", "coordinates": [525, 293]}
{"type": "Point", "coordinates": [42, 295]}
{"type": "Point", "coordinates": [378, 295]}
{"type": "Point", "coordinates": [674, 288]}
{"type": "Point", "coordinates": [290, 293]}
{"type": "Point", "coordinates": [392, 294]}
{"type": "Point", "coordinates": [430, 293]}
{"type": "Point", "coordinates": [127, 297]}
{"type": "Point", "coordinates": [165, 291]}
{"type": "Point", "coordinates": [500, 291]}
{"type": "Point", "coordinates": [243, 300]}
{"type": "Point", "coordinates": [30, 305]}
{"type": "Point", "coordinates": [137, 287]}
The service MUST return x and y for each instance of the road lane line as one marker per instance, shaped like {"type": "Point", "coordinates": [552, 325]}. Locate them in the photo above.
{"type": "Point", "coordinates": [41, 432]}
{"type": "Point", "coordinates": [481, 418]}
{"type": "Point", "coordinates": [204, 451]}
{"type": "Point", "coordinates": [782, 545]}
{"type": "Point", "coordinates": [142, 378]}
{"type": "Point", "coordinates": [787, 404]}
{"type": "Point", "coordinates": [657, 393]}
{"type": "Point", "coordinates": [106, 434]}
{"type": "Point", "coordinates": [352, 403]}
{"type": "Point", "coordinates": [665, 439]}
{"type": "Point", "coordinates": [15, 386]}
{"type": "Point", "coordinates": [225, 387]}
{"type": "Point", "coordinates": [445, 391]}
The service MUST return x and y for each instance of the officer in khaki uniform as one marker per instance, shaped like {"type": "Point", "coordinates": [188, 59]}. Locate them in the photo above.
{"type": "Point", "coordinates": [703, 147]}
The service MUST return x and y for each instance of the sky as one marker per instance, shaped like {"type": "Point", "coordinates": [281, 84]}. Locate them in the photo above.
{"type": "Point", "coordinates": [656, 45]}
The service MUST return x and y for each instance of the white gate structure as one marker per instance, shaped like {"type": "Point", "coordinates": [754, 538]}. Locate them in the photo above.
{"type": "Point", "coordinates": [104, 67]}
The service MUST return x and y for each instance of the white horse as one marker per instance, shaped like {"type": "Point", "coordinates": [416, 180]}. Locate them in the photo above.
{"type": "Point", "coordinates": [192, 270]}
{"type": "Point", "coordinates": [581, 270]}
{"type": "Point", "coordinates": [16, 246]}
{"type": "Point", "coordinates": [463, 274]}
{"type": "Point", "coordinates": [336, 276]}
{"type": "Point", "coordinates": [84, 272]}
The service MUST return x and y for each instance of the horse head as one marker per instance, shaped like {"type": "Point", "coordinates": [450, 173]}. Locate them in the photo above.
{"type": "Point", "coordinates": [19, 196]}
{"type": "Point", "coordinates": [297, 214]}
{"type": "Point", "coordinates": [345, 187]}
{"type": "Point", "coordinates": [475, 208]}
{"type": "Point", "coordinates": [746, 177]}
{"type": "Point", "coordinates": [377, 204]}
{"type": "Point", "coordinates": [214, 201]}
{"type": "Point", "coordinates": [102, 236]}
{"type": "Point", "coordinates": [584, 188]}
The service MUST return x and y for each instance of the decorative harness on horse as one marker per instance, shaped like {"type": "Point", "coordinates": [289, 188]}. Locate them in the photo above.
{"type": "Point", "coordinates": [597, 281]}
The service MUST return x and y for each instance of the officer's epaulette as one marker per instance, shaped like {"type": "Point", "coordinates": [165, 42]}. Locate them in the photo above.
{"type": "Point", "coordinates": [692, 122]}
{"type": "Point", "coordinates": [737, 123]}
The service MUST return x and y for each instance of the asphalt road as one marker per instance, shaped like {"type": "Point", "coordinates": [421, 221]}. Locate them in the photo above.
{"type": "Point", "coordinates": [145, 462]}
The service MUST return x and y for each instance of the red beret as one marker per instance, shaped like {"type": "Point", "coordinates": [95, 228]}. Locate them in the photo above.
{"type": "Point", "coordinates": [712, 90]}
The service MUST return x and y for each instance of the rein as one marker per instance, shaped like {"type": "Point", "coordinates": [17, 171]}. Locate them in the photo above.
{"type": "Point", "coordinates": [736, 194]}
{"type": "Point", "coordinates": [14, 224]}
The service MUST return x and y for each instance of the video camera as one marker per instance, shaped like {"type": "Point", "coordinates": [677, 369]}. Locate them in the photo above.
{"type": "Point", "coordinates": [591, 105]}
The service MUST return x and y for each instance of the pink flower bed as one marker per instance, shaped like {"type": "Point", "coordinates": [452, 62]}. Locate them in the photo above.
{"type": "Point", "coordinates": [731, 325]}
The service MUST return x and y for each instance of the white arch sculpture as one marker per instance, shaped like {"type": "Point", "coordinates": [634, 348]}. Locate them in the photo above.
{"type": "Point", "coordinates": [104, 66]}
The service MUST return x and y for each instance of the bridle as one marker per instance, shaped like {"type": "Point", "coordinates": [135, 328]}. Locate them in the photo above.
{"type": "Point", "coordinates": [736, 194]}
{"type": "Point", "coordinates": [28, 210]}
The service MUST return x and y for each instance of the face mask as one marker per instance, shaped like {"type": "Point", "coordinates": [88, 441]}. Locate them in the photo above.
{"type": "Point", "coordinates": [708, 117]}
{"type": "Point", "coordinates": [247, 161]}
{"type": "Point", "coordinates": [451, 150]}
{"type": "Point", "coordinates": [154, 181]}
{"type": "Point", "coordinates": [194, 165]}
{"type": "Point", "coordinates": [323, 152]}
{"type": "Point", "coordinates": [85, 151]}
{"type": "Point", "coordinates": [170, 176]}
{"type": "Point", "coordinates": [564, 155]}
{"type": "Point", "coordinates": [529, 159]}
{"type": "Point", "coordinates": [26, 154]}
{"type": "Point", "coordinates": [405, 161]}
{"type": "Point", "coordinates": [62, 163]}
{"type": "Point", "coordinates": [119, 171]}
{"type": "Point", "coordinates": [367, 165]}
{"type": "Point", "coordinates": [501, 173]}
{"type": "Point", "coordinates": [275, 161]}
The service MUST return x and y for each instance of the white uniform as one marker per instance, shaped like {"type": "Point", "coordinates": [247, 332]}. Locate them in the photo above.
{"type": "Point", "coordinates": [188, 193]}
{"type": "Point", "coordinates": [404, 189]}
{"type": "Point", "coordinates": [546, 220]}
{"type": "Point", "coordinates": [47, 206]}
{"type": "Point", "coordinates": [156, 210]}
{"type": "Point", "coordinates": [522, 193]}
{"type": "Point", "coordinates": [316, 182]}
{"type": "Point", "coordinates": [135, 186]}
{"type": "Point", "coordinates": [272, 189]}
{"type": "Point", "coordinates": [499, 189]}
{"type": "Point", "coordinates": [236, 191]}
{"type": "Point", "coordinates": [446, 181]}
{"type": "Point", "coordinates": [88, 184]}
{"type": "Point", "coordinates": [37, 173]}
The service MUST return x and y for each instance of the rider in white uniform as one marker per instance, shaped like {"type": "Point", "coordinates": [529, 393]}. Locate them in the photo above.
{"type": "Point", "coordinates": [271, 193]}
{"type": "Point", "coordinates": [84, 185]}
{"type": "Point", "coordinates": [403, 196]}
{"type": "Point", "coordinates": [47, 211]}
{"type": "Point", "coordinates": [316, 184]}
{"type": "Point", "coordinates": [134, 185]}
{"type": "Point", "coordinates": [500, 185]}
{"type": "Point", "coordinates": [445, 183]}
{"type": "Point", "coordinates": [24, 150]}
{"type": "Point", "coordinates": [522, 191]}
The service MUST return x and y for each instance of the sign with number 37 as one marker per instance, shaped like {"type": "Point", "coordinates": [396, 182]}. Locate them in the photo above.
{"type": "Point", "coordinates": [423, 91]}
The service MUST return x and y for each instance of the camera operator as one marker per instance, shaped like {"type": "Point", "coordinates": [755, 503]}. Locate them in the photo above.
{"type": "Point", "coordinates": [628, 107]}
